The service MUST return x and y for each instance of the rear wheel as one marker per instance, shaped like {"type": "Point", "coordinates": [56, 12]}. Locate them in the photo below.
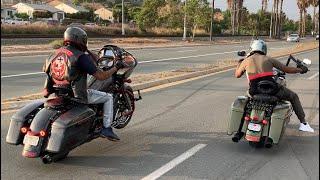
{"type": "Point", "coordinates": [54, 157]}
{"type": "Point", "coordinates": [259, 144]}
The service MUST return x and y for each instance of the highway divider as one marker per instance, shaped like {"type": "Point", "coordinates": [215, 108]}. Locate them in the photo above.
{"type": "Point", "coordinates": [19, 102]}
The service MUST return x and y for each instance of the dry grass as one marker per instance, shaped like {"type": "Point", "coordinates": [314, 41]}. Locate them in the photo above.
{"type": "Point", "coordinates": [44, 29]}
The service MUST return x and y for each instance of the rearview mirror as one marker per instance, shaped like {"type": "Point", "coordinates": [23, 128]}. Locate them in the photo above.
{"type": "Point", "coordinates": [307, 61]}
{"type": "Point", "coordinates": [241, 53]}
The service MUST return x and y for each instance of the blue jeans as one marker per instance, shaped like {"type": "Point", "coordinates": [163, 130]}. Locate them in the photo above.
{"type": "Point", "coordinates": [99, 97]}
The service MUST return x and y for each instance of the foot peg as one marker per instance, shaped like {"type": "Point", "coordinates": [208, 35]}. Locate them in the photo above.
{"type": "Point", "coordinates": [237, 136]}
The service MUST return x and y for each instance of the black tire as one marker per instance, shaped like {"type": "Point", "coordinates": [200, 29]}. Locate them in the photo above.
{"type": "Point", "coordinates": [62, 156]}
{"type": "Point", "coordinates": [257, 145]}
{"type": "Point", "coordinates": [129, 93]}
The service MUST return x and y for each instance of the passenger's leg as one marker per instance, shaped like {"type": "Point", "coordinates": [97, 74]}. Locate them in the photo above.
{"type": "Point", "coordinates": [288, 95]}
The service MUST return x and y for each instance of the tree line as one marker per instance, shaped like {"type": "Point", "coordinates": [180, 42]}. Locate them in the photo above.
{"type": "Point", "coordinates": [237, 20]}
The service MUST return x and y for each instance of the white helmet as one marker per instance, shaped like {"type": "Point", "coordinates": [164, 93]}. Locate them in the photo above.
{"type": "Point", "coordinates": [258, 46]}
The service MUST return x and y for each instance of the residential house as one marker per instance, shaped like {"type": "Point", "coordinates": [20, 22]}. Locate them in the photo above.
{"type": "Point", "coordinates": [104, 13]}
{"type": "Point", "coordinates": [70, 8]}
{"type": "Point", "coordinates": [54, 3]}
{"type": "Point", "coordinates": [136, 2]}
{"type": "Point", "coordinates": [7, 11]}
{"type": "Point", "coordinates": [31, 8]}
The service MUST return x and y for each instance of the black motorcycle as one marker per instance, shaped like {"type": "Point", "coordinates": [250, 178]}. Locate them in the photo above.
{"type": "Point", "coordinates": [51, 128]}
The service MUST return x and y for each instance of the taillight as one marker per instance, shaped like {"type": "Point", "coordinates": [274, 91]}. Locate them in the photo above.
{"type": "Point", "coordinates": [42, 133]}
{"type": "Point", "coordinates": [247, 118]}
{"type": "Point", "coordinates": [24, 130]}
{"type": "Point", "coordinates": [264, 122]}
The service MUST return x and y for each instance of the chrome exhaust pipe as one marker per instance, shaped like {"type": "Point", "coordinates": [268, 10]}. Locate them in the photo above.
{"type": "Point", "coordinates": [47, 159]}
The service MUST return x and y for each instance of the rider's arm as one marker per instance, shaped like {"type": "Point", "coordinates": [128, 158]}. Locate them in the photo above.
{"type": "Point", "coordinates": [102, 75]}
{"type": "Point", "coordinates": [241, 68]}
{"type": "Point", "coordinates": [87, 65]}
{"type": "Point", "coordinates": [286, 69]}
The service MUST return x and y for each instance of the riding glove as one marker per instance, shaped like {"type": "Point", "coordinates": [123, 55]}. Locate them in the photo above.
{"type": "Point", "coordinates": [304, 69]}
{"type": "Point", "coordinates": [119, 64]}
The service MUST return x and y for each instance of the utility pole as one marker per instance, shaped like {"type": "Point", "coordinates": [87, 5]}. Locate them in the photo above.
{"type": "Point", "coordinates": [122, 24]}
{"type": "Point", "coordinates": [212, 16]}
{"type": "Point", "coordinates": [185, 21]}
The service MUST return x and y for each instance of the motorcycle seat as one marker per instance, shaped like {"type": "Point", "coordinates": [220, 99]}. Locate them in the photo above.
{"type": "Point", "coordinates": [265, 98]}
{"type": "Point", "coordinates": [56, 102]}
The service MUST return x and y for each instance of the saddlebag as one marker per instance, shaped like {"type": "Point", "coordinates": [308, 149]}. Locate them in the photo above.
{"type": "Point", "coordinates": [279, 119]}
{"type": "Point", "coordinates": [71, 129]}
{"type": "Point", "coordinates": [237, 110]}
{"type": "Point", "coordinates": [22, 118]}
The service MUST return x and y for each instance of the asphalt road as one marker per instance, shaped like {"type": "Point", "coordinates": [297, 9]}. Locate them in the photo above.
{"type": "Point", "coordinates": [179, 132]}
{"type": "Point", "coordinates": [16, 79]}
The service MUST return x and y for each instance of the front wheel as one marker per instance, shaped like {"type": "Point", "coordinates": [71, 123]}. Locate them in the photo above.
{"type": "Point", "coordinates": [124, 105]}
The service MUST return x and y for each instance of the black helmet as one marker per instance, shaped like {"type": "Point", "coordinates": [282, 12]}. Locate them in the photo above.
{"type": "Point", "coordinates": [77, 37]}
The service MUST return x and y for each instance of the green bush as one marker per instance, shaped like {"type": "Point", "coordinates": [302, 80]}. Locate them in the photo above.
{"type": "Point", "coordinates": [23, 16]}
{"type": "Point", "coordinates": [42, 14]}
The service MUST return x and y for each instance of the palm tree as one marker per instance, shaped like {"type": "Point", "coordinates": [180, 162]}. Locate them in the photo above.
{"type": "Point", "coordinates": [314, 3]}
{"type": "Point", "coordinates": [264, 5]}
{"type": "Point", "coordinates": [280, 20]}
{"type": "Point", "coordinates": [276, 19]}
{"type": "Point", "coordinates": [235, 7]}
{"type": "Point", "coordinates": [300, 6]}
{"type": "Point", "coordinates": [306, 5]}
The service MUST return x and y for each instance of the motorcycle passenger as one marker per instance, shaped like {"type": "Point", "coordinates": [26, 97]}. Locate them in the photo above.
{"type": "Point", "coordinates": [258, 67]}
{"type": "Point", "coordinates": [69, 67]}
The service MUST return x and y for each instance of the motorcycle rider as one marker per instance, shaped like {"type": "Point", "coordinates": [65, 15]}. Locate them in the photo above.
{"type": "Point", "coordinates": [69, 66]}
{"type": "Point", "coordinates": [258, 67]}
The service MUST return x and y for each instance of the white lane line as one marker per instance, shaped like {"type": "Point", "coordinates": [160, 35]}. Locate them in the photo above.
{"type": "Point", "coordinates": [185, 57]}
{"type": "Point", "coordinates": [141, 62]}
{"type": "Point", "coordinates": [160, 60]}
{"type": "Point", "coordinates": [188, 50]}
{"type": "Point", "coordinates": [313, 76]}
{"type": "Point", "coordinates": [16, 75]}
{"type": "Point", "coordinates": [170, 165]}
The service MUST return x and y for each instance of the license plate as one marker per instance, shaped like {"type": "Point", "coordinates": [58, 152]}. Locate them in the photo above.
{"type": "Point", "coordinates": [32, 140]}
{"type": "Point", "coordinates": [254, 127]}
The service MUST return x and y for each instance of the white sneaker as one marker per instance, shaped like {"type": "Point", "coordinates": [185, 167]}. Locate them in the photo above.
{"type": "Point", "coordinates": [305, 128]}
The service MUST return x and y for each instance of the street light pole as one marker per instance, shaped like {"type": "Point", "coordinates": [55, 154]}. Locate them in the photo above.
{"type": "Point", "coordinates": [122, 24]}
{"type": "Point", "coordinates": [185, 22]}
{"type": "Point", "coordinates": [212, 16]}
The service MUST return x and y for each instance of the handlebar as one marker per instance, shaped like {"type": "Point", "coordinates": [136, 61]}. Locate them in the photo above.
{"type": "Point", "coordinates": [297, 61]}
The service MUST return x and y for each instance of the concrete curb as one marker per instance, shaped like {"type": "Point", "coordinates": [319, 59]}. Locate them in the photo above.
{"type": "Point", "coordinates": [17, 105]}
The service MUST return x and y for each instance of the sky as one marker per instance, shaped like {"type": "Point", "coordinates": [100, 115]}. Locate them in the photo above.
{"type": "Point", "coordinates": [289, 7]}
